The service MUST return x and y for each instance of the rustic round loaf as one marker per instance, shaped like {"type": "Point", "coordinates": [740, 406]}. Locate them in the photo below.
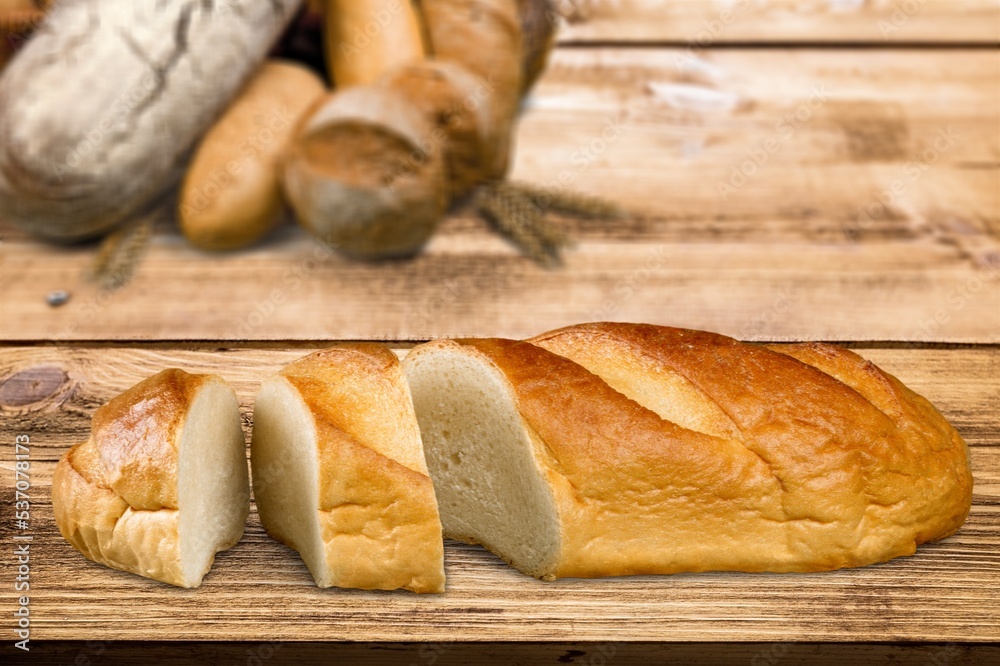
{"type": "Point", "coordinates": [102, 107]}
{"type": "Point", "coordinates": [455, 103]}
{"type": "Point", "coordinates": [362, 174]}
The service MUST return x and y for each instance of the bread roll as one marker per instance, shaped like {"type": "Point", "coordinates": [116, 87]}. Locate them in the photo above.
{"type": "Point", "coordinates": [231, 197]}
{"type": "Point", "coordinates": [485, 37]}
{"type": "Point", "coordinates": [453, 101]}
{"type": "Point", "coordinates": [339, 472]}
{"type": "Point", "coordinates": [361, 176]}
{"type": "Point", "coordinates": [616, 449]}
{"type": "Point", "coordinates": [161, 486]}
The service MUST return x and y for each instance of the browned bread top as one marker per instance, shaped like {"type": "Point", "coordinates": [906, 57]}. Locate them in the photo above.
{"type": "Point", "coordinates": [359, 390]}
{"type": "Point", "coordinates": [133, 444]}
{"type": "Point", "coordinates": [802, 457]}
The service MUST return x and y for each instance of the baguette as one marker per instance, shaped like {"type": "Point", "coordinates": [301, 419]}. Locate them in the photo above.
{"type": "Point", "coordinates": [161, 486]}
{"type": "Point", "coordinates": [231, 196]}
{"type": "Point", "coordinates": [339, 472]}
{"type": "Point", "coordinates": [616, 449]}
{"type": "Point", "coordinates": [366, 38]}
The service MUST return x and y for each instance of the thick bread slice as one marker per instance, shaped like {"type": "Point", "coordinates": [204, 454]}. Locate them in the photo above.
{"type": "Point", "coordinates": [339, 472]}
{"type": "Point", "coordinates": [656, 450]}
{"type": "Point", "coordinates": [161, 486]}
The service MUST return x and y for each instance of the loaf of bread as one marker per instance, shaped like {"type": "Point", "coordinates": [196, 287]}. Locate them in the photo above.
{"type": "Point", "coordinates": [101, 108]}
{"type": "Point", "coordinates": [339, 472]}
{"type": "Point", "coordinates": [161, 486]}
{"type": "Point", "coordinates": [231, 196]}
{"type": "Point", "coordinates": [616, 449]}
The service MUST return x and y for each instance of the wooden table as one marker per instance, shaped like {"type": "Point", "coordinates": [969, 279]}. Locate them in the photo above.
{"type": "Point", "coordinates": [798, 170]}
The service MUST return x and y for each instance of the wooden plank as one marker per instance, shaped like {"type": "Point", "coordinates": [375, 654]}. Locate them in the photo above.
{"type": "Point", "coordinates": [701, 24]}
{"type": "Point", "coordinates": [492, 654]}
{"type": "Point", "coordinates": [802, 250]}
{"type": "Point", "coordinates": [260, 591]}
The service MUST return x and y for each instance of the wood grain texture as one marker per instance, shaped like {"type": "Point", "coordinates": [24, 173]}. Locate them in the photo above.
{"type": "Point", "coordinates": [702, 23]}
{"type": "Point", "coordinates": [260, 591]}
{"type": "Point", "coordinates": [803, 249]}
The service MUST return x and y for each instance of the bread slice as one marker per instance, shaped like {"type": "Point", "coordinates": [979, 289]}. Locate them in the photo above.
{"type": "Point", "coordinates": [161, 486]}
{"type": "Point", "coordinates": [339, 472]}
{"type": "Point", "coordinates": [616, 449]}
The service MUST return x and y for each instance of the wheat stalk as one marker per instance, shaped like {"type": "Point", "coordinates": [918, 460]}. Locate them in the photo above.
{"type": "Point", "coordinates": [572, 203]}
{"type": "Point", "coordinates": [120, 253]}
{"type": "Point", "coordinates": [520, 220]}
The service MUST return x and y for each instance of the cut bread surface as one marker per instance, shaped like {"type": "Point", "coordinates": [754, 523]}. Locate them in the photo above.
{"type": "Point", "coordinates": [213, 482]}
{"type": "Point", "coordinates": [618, 449]}
{"type": "Point", "coordinates": [284, 462]}
{"type": "Point", "coordinates": [161, 486]}
{"type": "Point", "coordinates": [491, 489]}
{"type": "Point", "coordinates": [339, 472]}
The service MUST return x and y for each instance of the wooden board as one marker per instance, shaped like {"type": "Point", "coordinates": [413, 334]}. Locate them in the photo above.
{"type": "Point", "coordinates": [517, 654]}
{"type": "Point", "coordinates": [700, 23]}
{"type": "Point", "coordinates": [802, 250]}
{"type": "Point", "coordinates": [260, 591]}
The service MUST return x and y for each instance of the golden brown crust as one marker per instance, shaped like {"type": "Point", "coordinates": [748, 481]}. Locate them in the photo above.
{"type": "Point", "coordinates": [485, 37]}
{"type": "Point", "coordinates": [538, 23]}
{"type": "Point", "coordinates": [21, 16]}
{"type": "Point", "coordinates": [248, 204]}
{"type": "Point", "coordinates": [821, 475]}
{"type": "Point", "coordinates": [18, 19]}
{"type": "Point", "coordinates": [379, 519]}
{"type": "Point", "coordinates": [377, 510]}
{"type": "Point", "coordinates": [115, 496]}
{"type": "Point", "coordinates": [334, 383]}
{"type": "Point", "coordinates": [135, 435]}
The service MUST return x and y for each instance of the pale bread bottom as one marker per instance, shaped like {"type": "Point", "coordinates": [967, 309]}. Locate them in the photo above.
{"type": "Point", "coordinates": [490, 488]}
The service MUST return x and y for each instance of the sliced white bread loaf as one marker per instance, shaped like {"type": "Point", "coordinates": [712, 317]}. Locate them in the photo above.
{"type": "Point", "coordinates": [339, 472]}
{"type": "Point", "coordinates": [161, 486]}
{"type": "Point", "coordinates": [615, 449]}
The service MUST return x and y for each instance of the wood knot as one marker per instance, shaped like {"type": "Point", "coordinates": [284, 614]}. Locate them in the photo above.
{"type": "Point", "coordinates": [32, 386]}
